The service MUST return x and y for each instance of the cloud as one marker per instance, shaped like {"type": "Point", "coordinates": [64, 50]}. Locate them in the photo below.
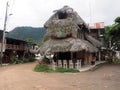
{"type": "Point", "coordinates": [36, 12]}
{"type": "Point", "coordinates": [106, 10]}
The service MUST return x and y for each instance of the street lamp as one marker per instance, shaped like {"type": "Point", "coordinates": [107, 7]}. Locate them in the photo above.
{"type": "Point", "coordinates": [3, 37]}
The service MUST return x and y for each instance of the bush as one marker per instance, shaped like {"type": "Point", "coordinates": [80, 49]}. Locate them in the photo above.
{"type": "Point", "coordinates": [45, 68]}
{"type": "Point", "coordinates": [25, 60]}
{"type": "Point", "coordinates": [31, 57]}
{"type": "Point", "coordinates": [42, 68]}
{"type": "Point", "coordinates": [116, 60]}
{"type": "Point", "coordinates": [15, 60]}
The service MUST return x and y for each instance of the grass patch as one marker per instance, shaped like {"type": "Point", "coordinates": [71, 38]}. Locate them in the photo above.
{"type": "Point", "coordinates": [46, 68]}
{"type": "Point", "coordinates": [116, 60]}
{"type": "Point", "coordinates": [62, 70]}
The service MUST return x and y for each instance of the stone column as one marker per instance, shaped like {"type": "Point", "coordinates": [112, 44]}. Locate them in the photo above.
{"type": "Point", "coordinates": [64, 64]}
{"type": "Point", "coordinates": [59, 63]}
{"type": "Point", "coordinates": [78, 64]}
{"type": "Point", "coordinates": [53, 65]}
{"type": "Point", "coordinates": [99, 56]}
{"type": "Point", "coordinates": [70, 64]}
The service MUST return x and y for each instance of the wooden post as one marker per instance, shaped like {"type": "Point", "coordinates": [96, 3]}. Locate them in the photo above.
{"type": "Point", "coordinates": [99, 56]}
{"type": "Point", "coordinates": [85, 58]}
{"type": "Point", "coordinates": [71, 55]}
{"type": "Point", "coordinates": [90, 58]}
{"type": "Point", "coordinates": [88, 62]}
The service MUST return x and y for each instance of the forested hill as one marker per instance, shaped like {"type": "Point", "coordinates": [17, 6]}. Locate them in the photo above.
{"type": "Point", "coordinates": [24, 33]}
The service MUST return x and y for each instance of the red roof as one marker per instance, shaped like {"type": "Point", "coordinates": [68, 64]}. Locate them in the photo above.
{"type": "Point", "coordinates": [96, 25]}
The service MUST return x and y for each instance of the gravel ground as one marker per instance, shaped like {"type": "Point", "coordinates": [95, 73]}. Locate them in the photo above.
{"type": "Point", "coordinates": [22, 77]}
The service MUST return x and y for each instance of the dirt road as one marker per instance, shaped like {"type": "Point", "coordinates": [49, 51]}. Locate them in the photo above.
{"type": "Point", "coordinates": [22, 77]}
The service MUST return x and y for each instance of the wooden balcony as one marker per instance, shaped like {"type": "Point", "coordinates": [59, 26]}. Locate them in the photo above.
{"type": "Point", "coordinates": [15, 47]}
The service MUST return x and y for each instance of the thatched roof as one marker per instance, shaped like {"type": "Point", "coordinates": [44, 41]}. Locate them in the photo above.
{"type": "Point", "coordinates": [70, 14]}
{"type": "Point", "coordinates": [66, 45]}
{"type": "Point", "coordinates": [62, 29]}
{"type": "Point", "coordinates": [62, 33]}
{"type": "Point", "coordinates": [95, 42]}
{"type": "Point", "coordinates": [64, 22]}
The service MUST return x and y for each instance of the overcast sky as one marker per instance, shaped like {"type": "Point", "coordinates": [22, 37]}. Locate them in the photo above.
{"type": "Point", "coordinates": [36, 12]}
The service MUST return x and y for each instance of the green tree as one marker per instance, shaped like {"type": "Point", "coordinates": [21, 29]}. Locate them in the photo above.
{"type": "Point", "coordinates": [30, 40]}
{"type": "Point", "coordinates": [112, 34]}
{"type": "Point", "coordinates": [117, 20]}
{"type": "Point", "coordinates": [107, 35]}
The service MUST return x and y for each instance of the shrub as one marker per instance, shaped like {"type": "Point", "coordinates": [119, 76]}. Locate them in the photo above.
{"type": "Point", "coordinates": [31, 58]}
{"type": "Point", "coordinates": [116, 60]}
{"type": "Point", "coordinates": [15, 60]}
{"type": "Point", "coordinates": [25, 60]}
{"type": "Point", "coordinates": [42, 68]}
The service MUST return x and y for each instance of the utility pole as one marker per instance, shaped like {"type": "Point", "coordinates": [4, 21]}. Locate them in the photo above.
{"type": "Point", "coordinates": [3, 37]}
{"type": "Point", "coordinates": [90, 11]}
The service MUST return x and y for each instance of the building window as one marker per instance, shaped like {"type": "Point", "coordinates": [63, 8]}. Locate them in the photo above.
{"type": "Point", "coordinates": [62, 15]}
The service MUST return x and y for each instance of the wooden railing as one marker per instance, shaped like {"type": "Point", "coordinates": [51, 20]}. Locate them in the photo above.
{"type": "Point", "coordinates": [15, 47]}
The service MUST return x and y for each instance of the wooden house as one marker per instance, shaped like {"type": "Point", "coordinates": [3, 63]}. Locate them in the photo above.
{"type": "Point", "coordinates": [13, 47]}
{"type": "Point", "coordinates": [97, 31]}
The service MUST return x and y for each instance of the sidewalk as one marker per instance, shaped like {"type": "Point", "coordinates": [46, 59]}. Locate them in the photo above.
{"type": "Point", "coordinates": [89, 67]}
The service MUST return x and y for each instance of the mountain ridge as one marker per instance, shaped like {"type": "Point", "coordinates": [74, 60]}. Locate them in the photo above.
{"type": "Point", "coordinates": [24, 33]}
